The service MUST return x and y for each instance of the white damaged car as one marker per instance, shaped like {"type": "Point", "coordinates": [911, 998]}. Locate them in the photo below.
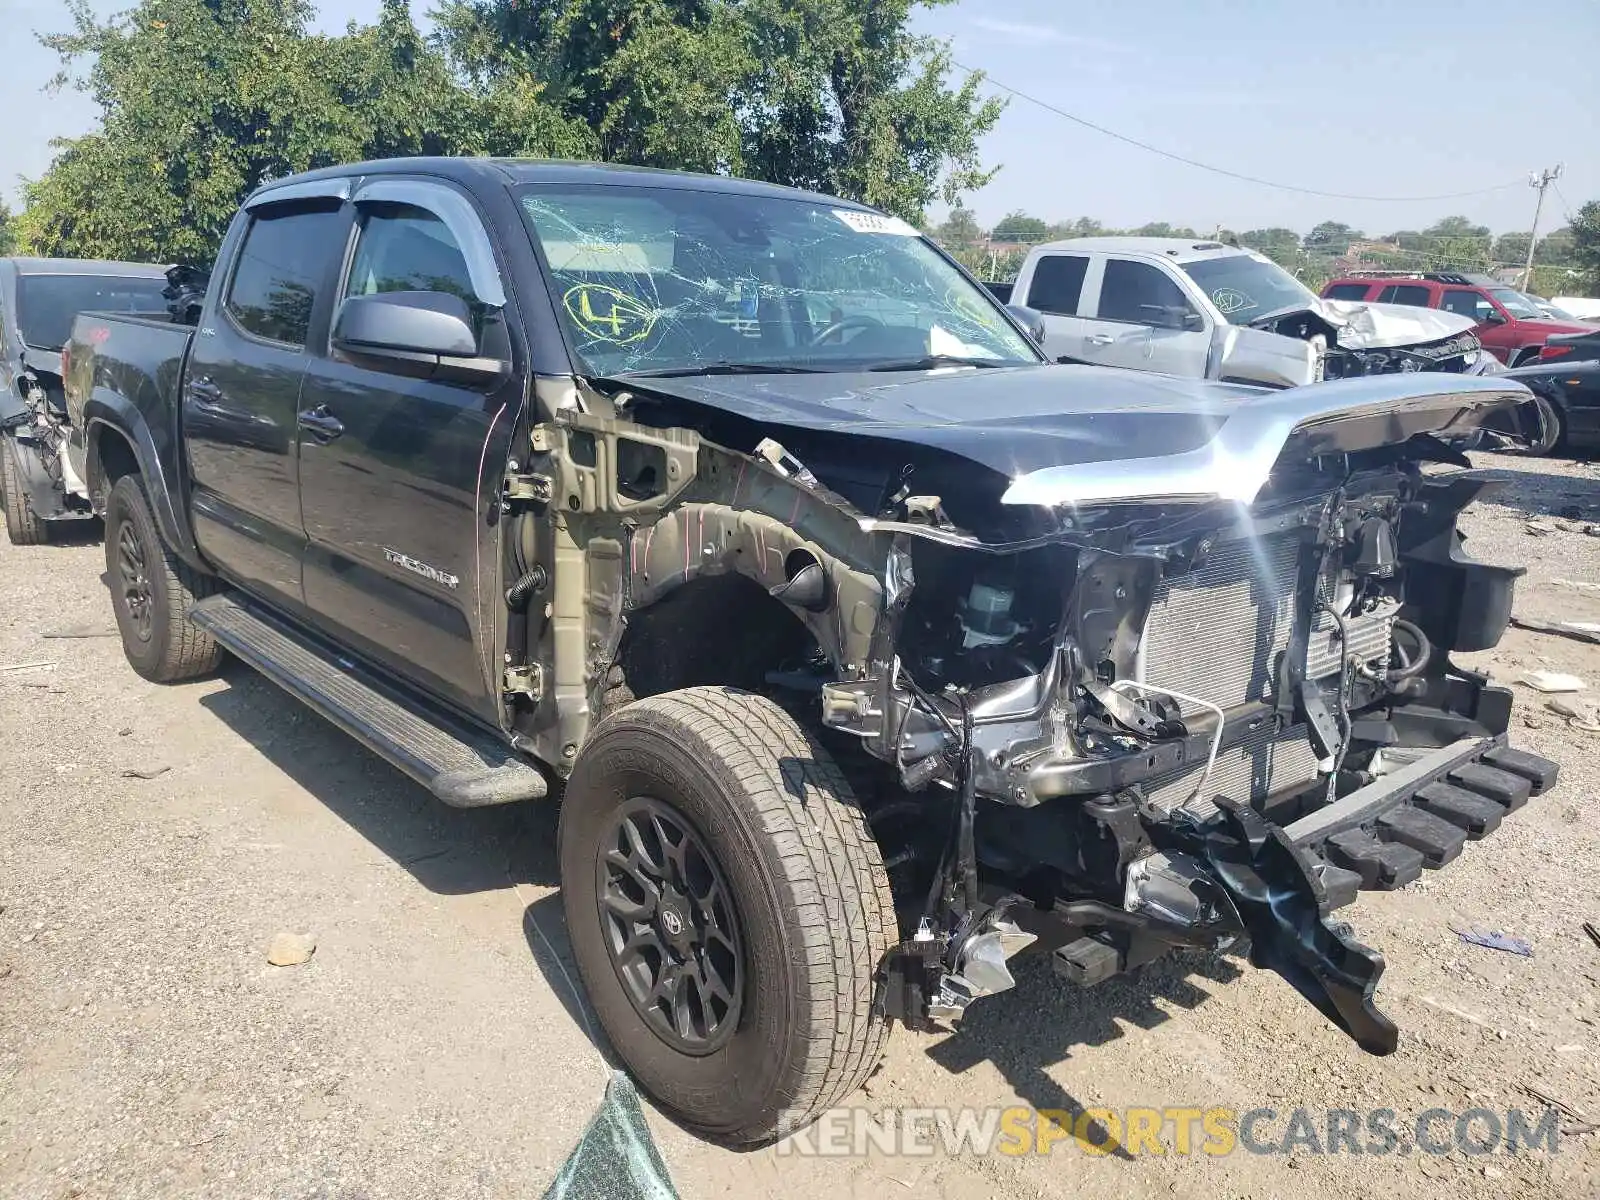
{"type": "Point", "coordinates": [1204, 310]}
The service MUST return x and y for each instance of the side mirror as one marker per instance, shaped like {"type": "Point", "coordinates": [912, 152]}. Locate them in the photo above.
{"type": "Point", "coordinates": [1172, 316]}
{"type": "Point", "coordinates": [1030, 319]}
{"type": "Point", "coordinates": [1492, 317]}
{"type": "Point", "coordinates": [424, 334]}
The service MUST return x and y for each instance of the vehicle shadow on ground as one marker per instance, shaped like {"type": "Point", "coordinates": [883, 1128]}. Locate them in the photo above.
{"type": "Point", "coordinates": [459, 851]}
{"type": "Point", "coordinates": [1024, 1031]}
{"type": "Point", "coordinates": [1546, 493]}
{"type": "Point", "coordinates": [449, 851]}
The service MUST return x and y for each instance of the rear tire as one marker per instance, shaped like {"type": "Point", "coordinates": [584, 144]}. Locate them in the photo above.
{"type": "Point", "coordinates": [1551, 429]}
{"type": "Point", "coordinates": [761, 816]}
{"type": "Point", "coordinates": [23, 526]}
{"type": "Point", "coordinates": [152, 591]}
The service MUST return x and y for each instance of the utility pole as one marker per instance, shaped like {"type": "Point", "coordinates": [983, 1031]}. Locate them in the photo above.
{"type": "Point", "coordinates": [1539, 181]}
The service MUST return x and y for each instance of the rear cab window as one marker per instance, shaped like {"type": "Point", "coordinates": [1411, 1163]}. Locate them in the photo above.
{"type": "Point", "coordinates": [47, 304]}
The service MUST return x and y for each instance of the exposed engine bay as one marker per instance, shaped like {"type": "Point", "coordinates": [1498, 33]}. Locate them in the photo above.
{"type": "Point", "coordinates": [1109, 705]}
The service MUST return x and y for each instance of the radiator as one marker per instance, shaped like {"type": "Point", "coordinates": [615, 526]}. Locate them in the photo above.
{"type": "Point", "coordinates": [1218, 632]}
{"type": "Point", "coordinates": [1263, 764]}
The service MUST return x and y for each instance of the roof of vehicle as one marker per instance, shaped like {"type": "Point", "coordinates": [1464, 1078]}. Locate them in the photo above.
{"type": "Point", "coordinates": [1181, 250]}
{"type": "Point", "coordinates": [84, 266]}
{"type": "Point", "coordinates": [1453, 278]}
{"type": "Point", "coordinates": [534, 170]}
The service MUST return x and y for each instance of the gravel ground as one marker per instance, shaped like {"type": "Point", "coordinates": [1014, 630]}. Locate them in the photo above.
{"type": "Point", "coordinates": [431, 1046]}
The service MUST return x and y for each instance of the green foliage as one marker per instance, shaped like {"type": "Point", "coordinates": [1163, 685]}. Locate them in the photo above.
{"type": "Point", "coordinates": [204, 100]}
{"type": "Point", "coordinates": [1585, 231]}
{"type": "Point", "coordinates": [1018, 226]}
{"type": "Point", "coordinates": [834, 95]}
{"type": "Point", "coordinates": [960, 229]}
{"type": "Point", "coordinates": [8, 231]}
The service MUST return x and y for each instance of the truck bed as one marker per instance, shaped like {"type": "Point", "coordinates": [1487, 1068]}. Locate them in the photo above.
{"type": "Point", "coordinates": [128, 371]}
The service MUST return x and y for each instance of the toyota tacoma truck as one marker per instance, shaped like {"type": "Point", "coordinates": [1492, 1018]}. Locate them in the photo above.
{"type": "Point", "coordinates": [39, 297]}
{"type": "Point", "coordinates": [1205, 310]}
{"type": "Point", "coordinates": [861, 647]}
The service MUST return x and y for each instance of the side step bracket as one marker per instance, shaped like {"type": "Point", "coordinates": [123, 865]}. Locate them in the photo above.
{"type": "Point", "coordinates": [463, 766]}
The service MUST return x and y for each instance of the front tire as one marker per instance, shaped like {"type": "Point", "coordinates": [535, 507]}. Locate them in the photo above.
{"type": "Point", "coordinates": [152, 591]}
{"type": "Point", "coordinates": [23, 525]}
{"type": "Point", "coordinates": [712, 852]}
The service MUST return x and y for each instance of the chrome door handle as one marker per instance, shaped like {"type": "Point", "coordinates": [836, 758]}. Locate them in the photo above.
{"type": "Point", "coordinates": [321, 423]}
{"type": "Point", "coordinates": [1101, 339]}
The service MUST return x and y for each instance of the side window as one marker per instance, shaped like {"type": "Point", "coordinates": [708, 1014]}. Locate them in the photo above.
{"type": "Point", "coordinates": [1137, 292]}
{"type": "Point", "coordinates": [1411, 294]}
{"type": "Point", "coordinates": [402, 248]}
{"type": "Point", "coordinates": [1347, 291]}
{"type": "Point", "coordinates": [1058, 284]}
{"type": "Point", "coordinates": [282, 263]}
{"type": "Point", "coordinates": [1468, 304]}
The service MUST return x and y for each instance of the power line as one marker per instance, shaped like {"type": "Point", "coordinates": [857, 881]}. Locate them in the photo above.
{"type": "Point", "coordinates": [1286, 187]}
{"type": "Point", "coordinates": [1565, 207]}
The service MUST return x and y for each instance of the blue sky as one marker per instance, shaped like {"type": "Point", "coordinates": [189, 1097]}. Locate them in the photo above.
{"type": "Point", "coordinates": [1393, 99]}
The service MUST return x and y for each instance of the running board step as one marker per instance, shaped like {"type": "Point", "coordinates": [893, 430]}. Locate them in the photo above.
{"type": "Point", "coordinates": [463, 766]}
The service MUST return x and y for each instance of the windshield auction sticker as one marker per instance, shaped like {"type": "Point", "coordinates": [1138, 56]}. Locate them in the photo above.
{"type": "Point", "coordinates": [866, 222]}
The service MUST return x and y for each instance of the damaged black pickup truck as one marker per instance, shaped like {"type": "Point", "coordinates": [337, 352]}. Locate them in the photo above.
{"type": "Point", "coordinates": [862, 647]}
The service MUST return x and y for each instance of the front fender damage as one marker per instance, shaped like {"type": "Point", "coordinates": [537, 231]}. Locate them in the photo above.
{"type": "Point", "coordinates": [1005, 666]}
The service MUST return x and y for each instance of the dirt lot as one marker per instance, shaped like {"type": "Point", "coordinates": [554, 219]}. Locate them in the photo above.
{"type": "Point", "coordinates": [432, 1047]}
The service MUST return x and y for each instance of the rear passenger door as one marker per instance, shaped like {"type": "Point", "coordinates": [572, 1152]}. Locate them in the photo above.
{"type": "Point", "coordinates": [1133, 297]}
{"type": "Point", "coordinates": [1055, 290]}
{"type": "Point", "coordinates": [400, 476]}
{"type": "Point", "coordinates": [242, 390]}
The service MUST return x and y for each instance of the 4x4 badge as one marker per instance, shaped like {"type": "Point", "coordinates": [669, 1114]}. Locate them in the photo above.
{"type": "Point", "coordinates": [421, 568]}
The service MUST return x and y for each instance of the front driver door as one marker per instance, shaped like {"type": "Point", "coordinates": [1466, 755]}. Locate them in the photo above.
{"type": "Point", "coordinates": [1134, 297]}
{"type": "Point", "coordinates": [400, 476]}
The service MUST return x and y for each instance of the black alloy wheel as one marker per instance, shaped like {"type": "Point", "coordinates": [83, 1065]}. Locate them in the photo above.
{"type": "Point", "coordinates": [133, 578]}
{"type": "Point", "coordinates": [670, 926]}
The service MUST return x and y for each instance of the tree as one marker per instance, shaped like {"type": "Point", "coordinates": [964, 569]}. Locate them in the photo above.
{"type": "Point", "coordinates": [8, 233]}
{"type": "Point", "coordinates": [1163, 229]}
{"type": "Point", "coordinates": [959, 229]}
{"type": "Point", "coordinates": [1018, 226]}
{"type": "Point", "coordinates": [834, 95]}
{"type": "Point", "coordinates": [1330, 238]}
{"type": "Point", "coordinates": [203, 100]}
{"type": "Point", "coordinates": [1585, 230]}
{"type": "Point", "coordinates": [1281, 245]}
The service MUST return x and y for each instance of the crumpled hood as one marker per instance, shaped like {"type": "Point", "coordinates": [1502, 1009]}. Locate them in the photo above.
{"type": "Point", "coordinates": [1364, 326]}
{"type": "Point", "coordinates": [1079, 434]}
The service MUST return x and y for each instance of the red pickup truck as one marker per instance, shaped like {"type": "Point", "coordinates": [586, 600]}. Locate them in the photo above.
{"type": "Point", "coordinates": [1510, 326]}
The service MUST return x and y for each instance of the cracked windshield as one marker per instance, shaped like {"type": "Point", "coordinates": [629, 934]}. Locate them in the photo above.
{"type": "Point", "coordinates": [1245, 287]}
{"type": "Point", "coordinates": [656, 279]}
